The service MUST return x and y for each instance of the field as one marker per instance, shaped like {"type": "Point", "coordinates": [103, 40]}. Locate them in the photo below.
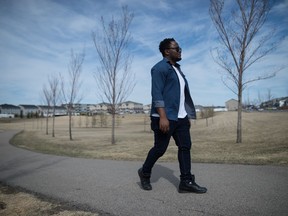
{"type": "Point", "coordinates": [264, 138]}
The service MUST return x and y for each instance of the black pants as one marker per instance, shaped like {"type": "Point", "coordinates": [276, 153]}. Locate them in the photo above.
{"type": "Point", "coordinates": [180, 131]}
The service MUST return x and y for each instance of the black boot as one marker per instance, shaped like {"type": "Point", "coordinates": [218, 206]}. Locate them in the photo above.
{"type": "Point", "coordinates": [190, 186]}
{"type": "Point", "coordinates": [145, 180]}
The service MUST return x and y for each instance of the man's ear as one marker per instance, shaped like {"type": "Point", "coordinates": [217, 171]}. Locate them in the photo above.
{"type": "Point", "coordinates": [166, 52]}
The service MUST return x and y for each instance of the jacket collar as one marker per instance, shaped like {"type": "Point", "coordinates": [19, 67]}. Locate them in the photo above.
{"type": "Point", "coordinates": [166, 60]}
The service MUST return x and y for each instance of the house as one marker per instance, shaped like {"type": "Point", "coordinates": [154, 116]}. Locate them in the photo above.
{"type": "Point", "coordinates": [283, 102]}
{"type": "Point", "coordinates": [231, 105]}
{"type": "Point", "coordinates": [276, 103]}
{"type": "Point", "coordinates": [147, 108]}
{"type": "Point", "coordinates": [130, 107]}
{"type": "Point", "coordinates": [27, 110]}
{"type": "Point", "coordinates": [59, 110]}
{"type": "Point", "coordinates": [10, 109]}
{"type": "Point", "coordinates": [82, 108]}
{"type": "Point", "coordinates": [43, 109]}
{"type": "Point", "coordinates": [101, 108]}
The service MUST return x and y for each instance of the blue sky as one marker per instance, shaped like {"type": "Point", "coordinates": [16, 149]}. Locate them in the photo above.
{"type": "Point", "coordinates": [36, 37]}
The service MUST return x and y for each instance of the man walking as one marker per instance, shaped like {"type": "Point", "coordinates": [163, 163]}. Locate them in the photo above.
{"type": "Point", "coordinates": [172, 107]}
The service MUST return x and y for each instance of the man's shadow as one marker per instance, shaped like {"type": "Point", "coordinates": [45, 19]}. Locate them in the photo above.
{"type": "Point", "coordinates": [160, 171]}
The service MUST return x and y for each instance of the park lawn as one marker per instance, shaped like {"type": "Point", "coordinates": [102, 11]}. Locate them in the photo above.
{"type": "Point", "coordinates": [264, 138]}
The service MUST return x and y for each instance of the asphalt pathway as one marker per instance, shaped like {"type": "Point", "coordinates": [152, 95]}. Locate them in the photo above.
{"type": "Point", "coordinates": [113, 187]}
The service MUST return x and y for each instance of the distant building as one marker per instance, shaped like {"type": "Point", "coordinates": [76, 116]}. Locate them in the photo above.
{"type": "Point", "coordinates": [147, 108]}
{"type": "Point", "coordinates": [101, 108]}
{"type": "Point", "coordinates": [131, 107]}
{"type": "Point", "coordinates": [198, 108]}
{"type": "Point", "coordinates": [275, 103]}
{"type": "Point", "coordinates": [59, 110]}
{"type": "Point", "coordinates": [27, 109]}
{"type": "Point", "coordinates": [220, 109]}
{"type": "Point", "coordinates": [82, 108]}
{"type": "Point", "coordinates": [10, 109]}
{"type": "Point", "coordinates": [231, 105]}
{"type": "Point", "coordinates": [283, 102]}
{"type": "Point", "coordinates": [45, 110]}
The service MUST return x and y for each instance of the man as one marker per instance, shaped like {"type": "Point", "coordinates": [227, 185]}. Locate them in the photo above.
{"type": "Point", "coordinates": [172, 106]}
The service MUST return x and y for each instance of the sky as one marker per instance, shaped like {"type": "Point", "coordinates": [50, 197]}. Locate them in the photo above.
{"type": "Point", "coordinates": [36, 38]}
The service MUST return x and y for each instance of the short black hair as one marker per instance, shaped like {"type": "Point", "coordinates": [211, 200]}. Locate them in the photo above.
{"type": "Point", "coordinates": [165, 44]}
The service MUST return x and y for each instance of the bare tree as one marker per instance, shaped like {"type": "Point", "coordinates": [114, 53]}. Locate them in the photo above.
{"type": "Point", "coordinates": [207, 113]}
{"type": "Point", "coordinates": [242, 45]}
{"type": "Point", "coordinates": [269, 94]}
{"type": "Point", "coordinates": [259, 99]}
{"type": "Point", "coordinates": [115, 79]}
{"type": "Point", "coordinates": [48, 99]}
{"type": "Point", "coordinates": [54, 85]}
{"type": "Point", "coordinates": [70, 90]}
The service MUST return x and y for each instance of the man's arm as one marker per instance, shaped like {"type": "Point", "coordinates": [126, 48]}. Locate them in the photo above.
{"type": "Point", "coordinates": [164, 122]}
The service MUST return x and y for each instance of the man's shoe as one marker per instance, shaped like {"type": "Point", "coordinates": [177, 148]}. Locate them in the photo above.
{"type": "Point", "coordinates": [145, 180]}
{"type": "Point", "coordinates": [190, 186]}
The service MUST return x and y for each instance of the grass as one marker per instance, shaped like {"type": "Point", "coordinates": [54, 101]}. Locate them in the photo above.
{"type": "Point", "coordinates": [264, 138]}
{"type": "Point", "coordinates": [17, 202]}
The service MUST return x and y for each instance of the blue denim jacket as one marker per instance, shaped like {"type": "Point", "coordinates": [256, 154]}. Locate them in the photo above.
{"type": "Point", "coordinates": [166, 91]}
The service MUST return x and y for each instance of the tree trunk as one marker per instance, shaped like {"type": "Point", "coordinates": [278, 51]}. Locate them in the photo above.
{"type": "Point", "coordinates": [113, 129]}
{"type": "Point", "coordinates": [53, 131]}
{"type": "Point", "coordinates": [239, 119]}
{"type": "Point", "coordinates": [70, 125]}
{"type": "Point", "coordinates": [47, 124]}
{"type": "Point", "coordinates": [53, 123]}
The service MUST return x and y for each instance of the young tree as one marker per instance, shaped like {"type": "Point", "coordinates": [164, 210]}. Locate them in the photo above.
{"type": "Point", "coordinates": [70, 91]}
{"type": "Point", "coordinates": [259, 99]}
{"type": "Point", "coordinates": [269, 94]}
{"type": "Point", "coordinates": [242, 45]}
{"type": "Point", "coordinates": [48, 99]}
{"type": "Point", "coordinates": [115, 79]}
{"type": "Point", "coordinates": [54, 85]}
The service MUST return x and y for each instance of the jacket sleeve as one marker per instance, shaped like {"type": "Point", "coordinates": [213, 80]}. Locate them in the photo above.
{"type": "Point", "coordinates": [158, 82]}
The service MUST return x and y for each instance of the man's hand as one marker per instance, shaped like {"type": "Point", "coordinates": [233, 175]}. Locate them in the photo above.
{"type": "Point", "coordinates": [164, 122]}
{"type": "Point", "coordinates": [164, 125]}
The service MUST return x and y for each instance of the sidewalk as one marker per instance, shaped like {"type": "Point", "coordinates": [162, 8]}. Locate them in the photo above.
{"type": "Point", "coordinates": [112, 187]}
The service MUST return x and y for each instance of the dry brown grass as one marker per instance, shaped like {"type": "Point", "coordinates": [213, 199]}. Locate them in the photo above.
{"type": "Point", "coordinates": [14, 202]}
{"type": "Point", "coordinates": [264, 138]}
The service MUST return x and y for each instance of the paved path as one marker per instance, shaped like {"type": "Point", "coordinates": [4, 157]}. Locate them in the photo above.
{"type": "Point", "coordinates": [112, 187]}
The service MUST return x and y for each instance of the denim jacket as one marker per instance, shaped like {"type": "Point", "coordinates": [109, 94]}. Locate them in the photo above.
{"type": "Point", "coordinates": [166, 91]}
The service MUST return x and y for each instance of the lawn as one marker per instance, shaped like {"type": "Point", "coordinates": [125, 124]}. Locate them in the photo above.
{"type": "Point", "coordinates": [264, 138]}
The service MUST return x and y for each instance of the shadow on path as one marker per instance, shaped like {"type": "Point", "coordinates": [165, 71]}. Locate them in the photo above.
{"type": "Point", "coordinates": [159, 172]}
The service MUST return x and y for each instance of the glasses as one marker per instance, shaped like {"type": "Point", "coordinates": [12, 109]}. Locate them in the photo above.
{"type": "Point", "coordinates": [177, 49]}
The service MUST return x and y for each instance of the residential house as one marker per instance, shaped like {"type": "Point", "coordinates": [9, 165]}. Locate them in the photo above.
{"type": "Point", "coordinates": [101, 108]}
{"type": "Point", "coordinates": [10, 109]}
{"type": "Point", "coordinates": [283, 103]}
{"type": "Point", "coordinates": [275, 103]}
{"type": "Point", "coordinates": [27, 110]}
{"type": "Point", "coordinates": [82, 108]}
{"type": "Point", "coordinates": [59, 110]}
{"type": "Point", "coordinates": [231, 105]}
{"type": "Point", "coordinates": [131, 107]}
{"type": "Point", "coordinates": [147, 108]}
